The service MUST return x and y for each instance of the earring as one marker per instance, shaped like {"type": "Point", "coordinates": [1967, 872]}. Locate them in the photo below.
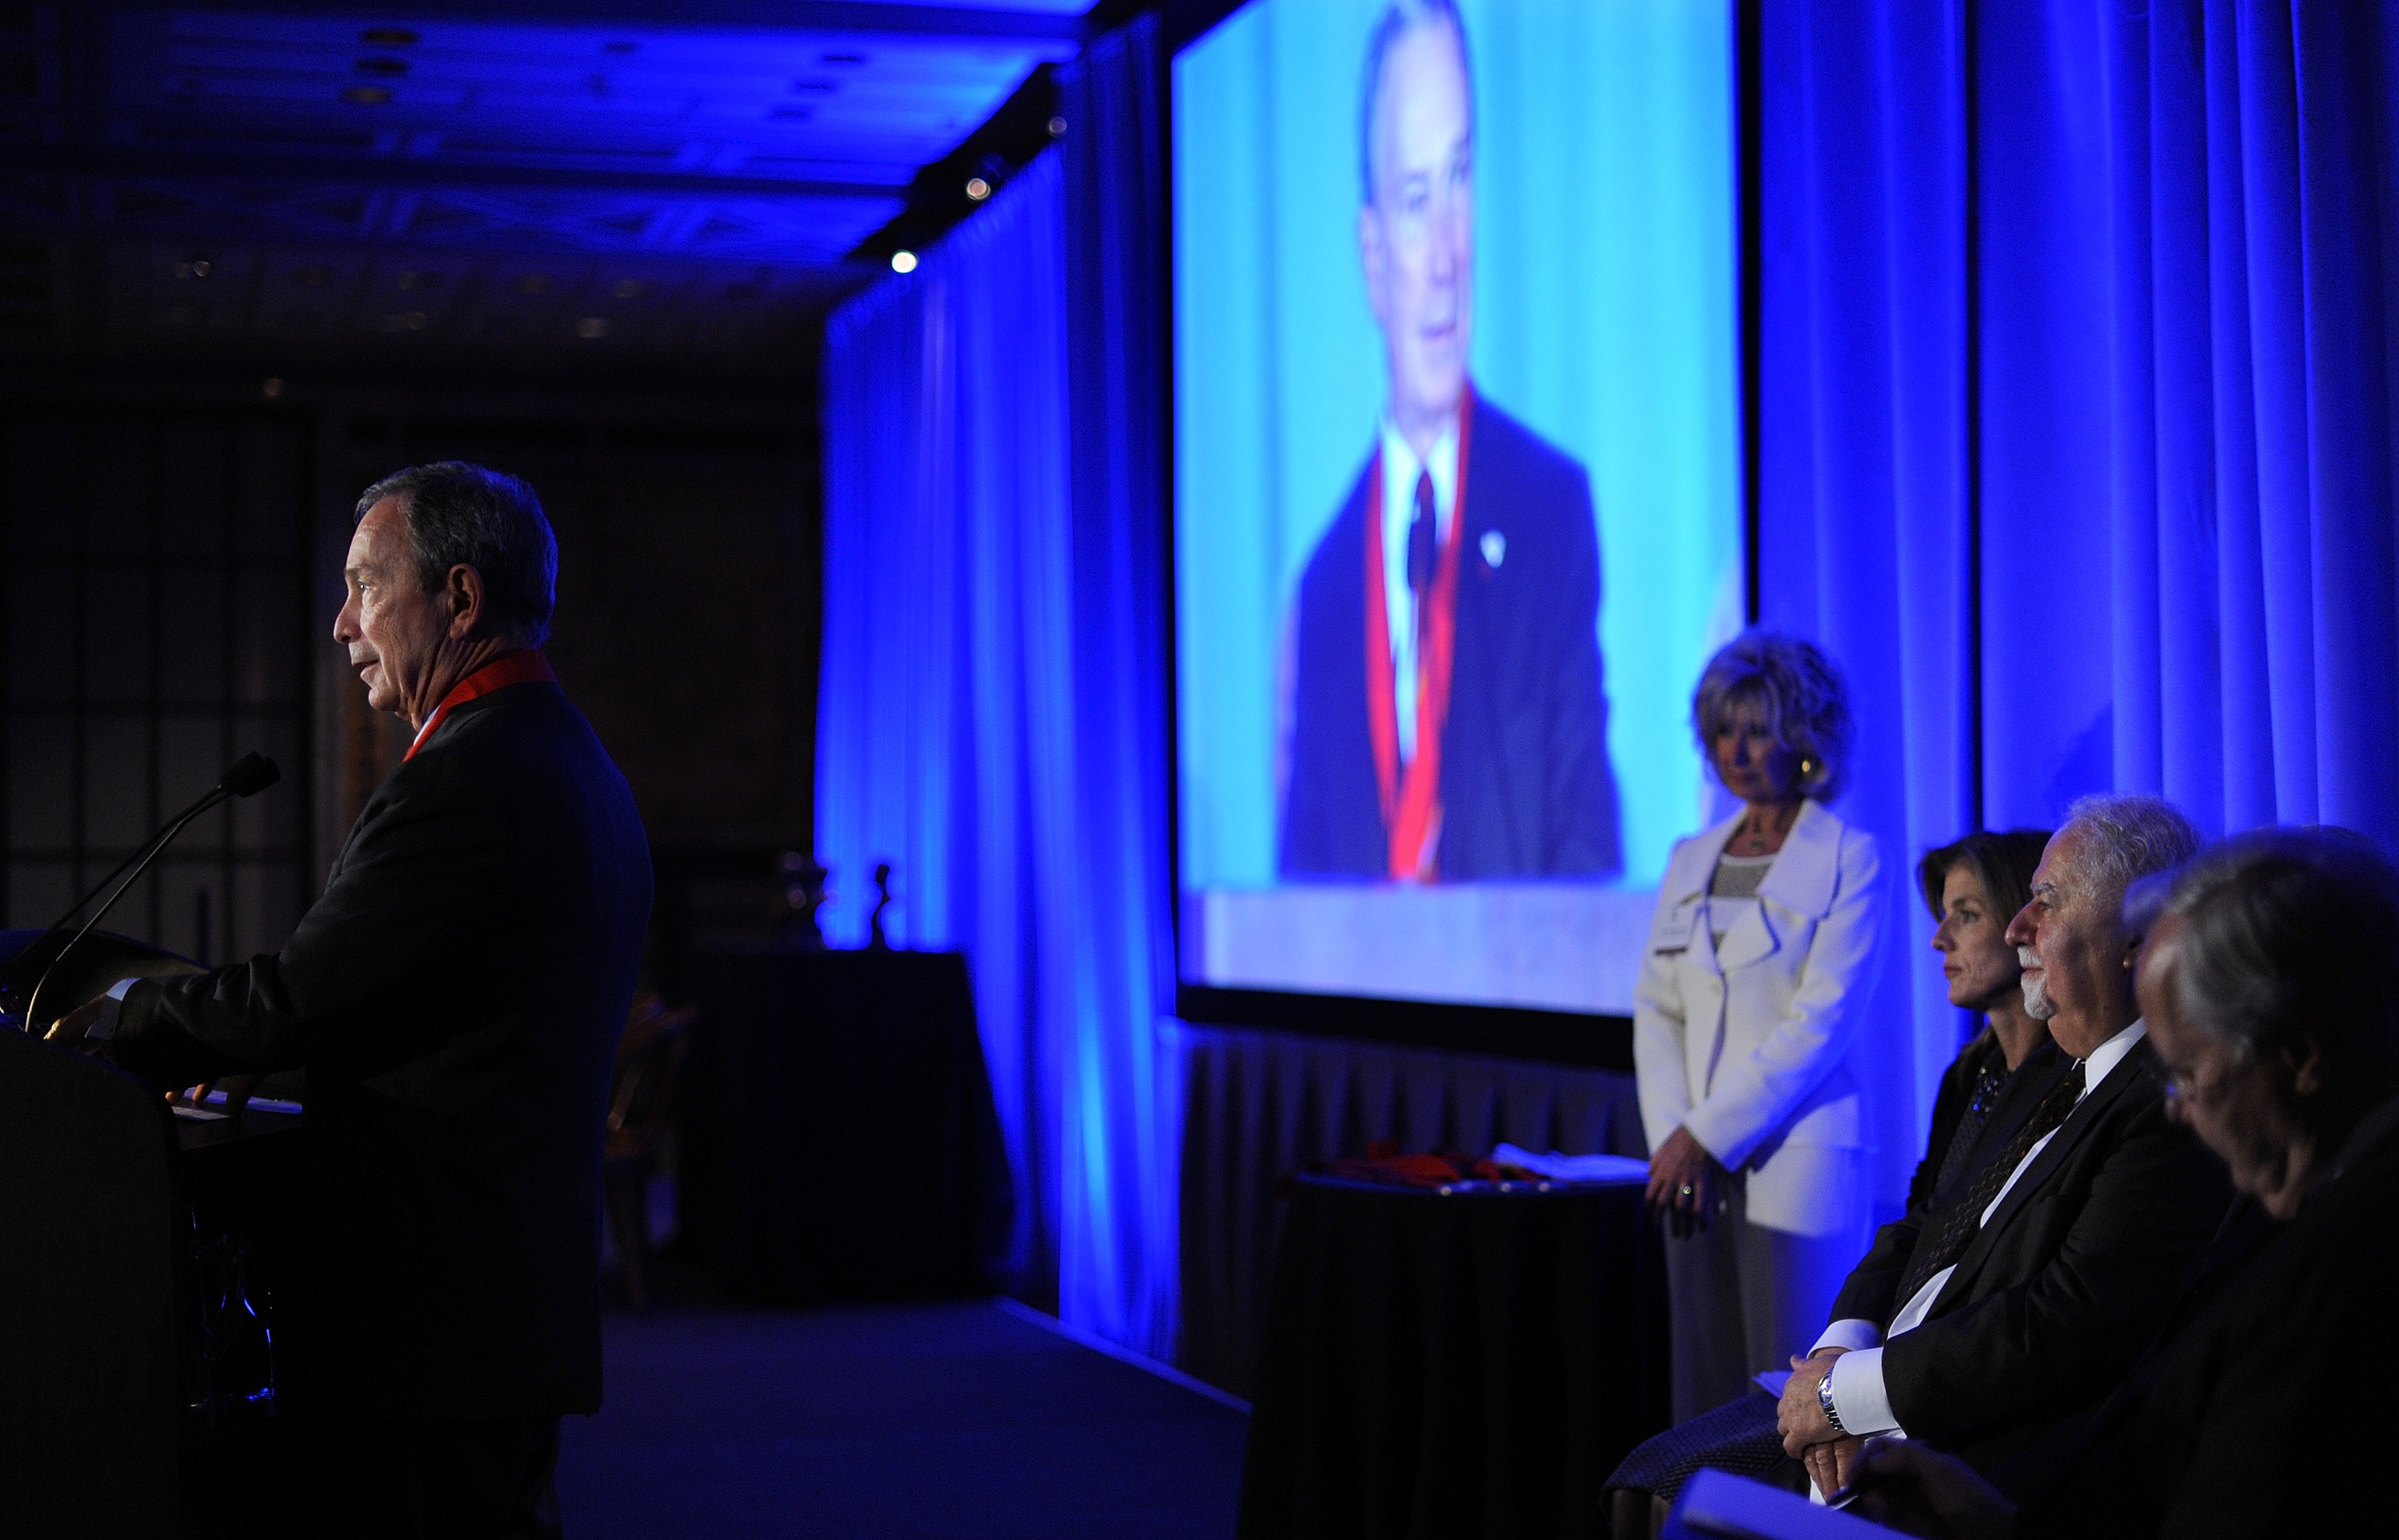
{"type": "Point", "coordinates": [1807, 764]}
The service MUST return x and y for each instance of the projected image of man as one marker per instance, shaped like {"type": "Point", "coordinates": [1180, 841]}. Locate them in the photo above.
{"type": "Point", "coordinates": [1446, 714]}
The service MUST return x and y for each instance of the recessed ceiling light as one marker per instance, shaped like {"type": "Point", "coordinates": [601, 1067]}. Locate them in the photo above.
{"type": "Point", "coordinates": [793, 115]}
{"type": "Point", "coordinates": [977, 189]}
{"type": "Point", "coordinates": [389, 38]}
{"type": "Point", "coordinates": [271, 387]}
{"type": "Point", "coordinates": [382, 66]}
{"type": "Point", "coordinates": [903, 262]}
{"type": "Point", "coordinates": [842, 61]}
{"type": "Point", "coordinates": [621, 45]}
{"type": "Point", "coordinates": [818, 86]}
{"type": "Point", "coordinates": [367, 96]}
{"type": "Point", "coordinates": [592, 328]}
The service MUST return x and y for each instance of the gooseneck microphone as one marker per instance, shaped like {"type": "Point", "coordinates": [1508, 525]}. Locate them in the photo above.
{"type": "Point", "coordinates": [249, 775]}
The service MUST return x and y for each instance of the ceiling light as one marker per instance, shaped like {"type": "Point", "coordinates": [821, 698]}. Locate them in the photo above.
{"type": "Point", "coordinates": [367, 96]}
{"type": "Point", "coordinates": [903, 262]}
{"type": "Point", "coordinates": [843, 60]}
{"type": "Point", "coordinates": [1057, 127]}
{"type": "Point", "coordinates": [389, 38]}
{"type": "Point", "coordinates": [593, 327]}
{"type": "Point", "coordinates": [272, 388]}
{"type": "Point", "coordinates": [977, 189]}
{"type": "Point", "coordinates": [383, 67]}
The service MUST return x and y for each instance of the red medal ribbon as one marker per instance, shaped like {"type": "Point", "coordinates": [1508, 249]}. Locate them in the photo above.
{"type": "Point", "coordinates": [498, 674]}
{"type": "Point", "coordinates": [1412, 804]}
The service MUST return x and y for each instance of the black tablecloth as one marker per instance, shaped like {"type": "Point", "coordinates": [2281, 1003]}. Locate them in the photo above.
{"type": "Point", "coordinates": [837, 1128]}
{"type": "Point", "coordinates": [1257, 1104]}
{"type": "Point", "coordinates": [1443, 1366]}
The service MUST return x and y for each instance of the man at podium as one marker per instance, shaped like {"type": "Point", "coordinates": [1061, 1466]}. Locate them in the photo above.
{"type": "Point", "coordinates": [455, 998]}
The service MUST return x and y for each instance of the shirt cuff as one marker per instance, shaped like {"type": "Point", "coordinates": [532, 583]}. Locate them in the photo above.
{"type": "Point", "coordinates": [104, 1026]}
{"type": "Point", "coordinates": [1858, 1393]}
{"type": "Point", "coordinates": [1852, 1334]}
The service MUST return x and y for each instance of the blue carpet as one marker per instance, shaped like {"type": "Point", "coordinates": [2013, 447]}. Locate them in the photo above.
{"type": "Point", "coordinates": [952, 1419]}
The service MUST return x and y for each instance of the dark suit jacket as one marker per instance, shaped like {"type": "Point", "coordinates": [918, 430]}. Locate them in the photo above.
{"type": "Point", "coordinates": [1526, 787]}
{"type": "Point", "coordinates": [2054, 1298]}
{"type": "Point", "coordinates": [2264, 1406]}
{"type": "Point", "coordinates": [456, 997]}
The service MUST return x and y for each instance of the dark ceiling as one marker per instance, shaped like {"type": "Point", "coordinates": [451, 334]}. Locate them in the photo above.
{"type": "Point", "coordinates": [539, 184]}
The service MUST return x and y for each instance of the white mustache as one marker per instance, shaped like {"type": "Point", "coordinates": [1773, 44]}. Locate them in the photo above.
{"type": "Point", "coordinates": [2028, 958]}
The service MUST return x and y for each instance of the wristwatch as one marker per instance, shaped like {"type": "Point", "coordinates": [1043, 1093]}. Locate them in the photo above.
{"type": "Point", "coordinates": [1824, 1400]}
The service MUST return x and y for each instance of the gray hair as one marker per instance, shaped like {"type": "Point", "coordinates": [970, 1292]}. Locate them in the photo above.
{"type": "Point", "coordinates": [2292, 931]}
{"type": "Point", "coordinates": [463, 515]}
{"type": "Point", "coordinates": [2127, 838]}
{"type": "Point", "coordinates": [1399, 18]}
{"type": "Point", "coordinates": [1802, 694]}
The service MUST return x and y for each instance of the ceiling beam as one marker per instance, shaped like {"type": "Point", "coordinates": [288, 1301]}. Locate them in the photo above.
{"type": "Point", "coordinates": [848, 16]}
{"type": "Point", "coordinates": [217, 164]}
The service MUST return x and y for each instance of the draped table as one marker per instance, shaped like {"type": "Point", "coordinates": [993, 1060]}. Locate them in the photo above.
{"type": "Point", "coordinates": [1471, 1360]}
{"type": "Point", "coordinates": [838, 1140]}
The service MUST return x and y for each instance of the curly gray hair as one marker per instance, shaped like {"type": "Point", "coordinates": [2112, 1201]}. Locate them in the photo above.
{"type": "Point", "coordinates": [2127, 838]}
{"type": "Point", "coordinates": [1799, 689]}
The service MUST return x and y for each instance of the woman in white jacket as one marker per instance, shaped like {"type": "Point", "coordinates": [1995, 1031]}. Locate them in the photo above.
{"type": "Point", "coordinates": [1747, 1009]}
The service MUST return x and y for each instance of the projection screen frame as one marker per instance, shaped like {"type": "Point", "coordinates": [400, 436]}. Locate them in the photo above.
{"type": "Point", "coordinates": [1584, 1040]}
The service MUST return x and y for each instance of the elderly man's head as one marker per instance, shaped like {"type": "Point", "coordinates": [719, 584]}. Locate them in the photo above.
{"type": "Point", "coordinates": [2076, 952]}
{"type": "Point", "coordinates": [1416, 217]}
{"type": "Point", "coordinates": [2270, 983]}
{"type": "Point", "coordinates": [451, 566]}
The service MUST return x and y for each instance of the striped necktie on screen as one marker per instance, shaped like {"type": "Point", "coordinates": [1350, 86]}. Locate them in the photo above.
{"type": "Point", "coordinates": [1950, 1229]}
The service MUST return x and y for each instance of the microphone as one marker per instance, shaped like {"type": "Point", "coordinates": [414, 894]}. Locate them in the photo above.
{"type": "Point", "coordinates": [249, 775]}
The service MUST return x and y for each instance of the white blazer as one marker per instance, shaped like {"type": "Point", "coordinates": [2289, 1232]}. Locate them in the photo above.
{"type": "Point", "coordinates": [1746, 1044]}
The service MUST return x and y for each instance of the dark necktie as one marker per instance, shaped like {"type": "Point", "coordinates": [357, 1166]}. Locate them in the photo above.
{"type": "Point", "coordinates": [1421, 545]}
{"type": "Point", "coordinates": [1951, 1228]}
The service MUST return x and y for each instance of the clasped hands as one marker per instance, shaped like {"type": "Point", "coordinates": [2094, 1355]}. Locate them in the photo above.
{"type": "Point", "coordinates": [1807, 1436]}
{"type": "Point", "coordinates": [1897, 1483]}
{"type": "Point", "coordinates": [1685, 1183]}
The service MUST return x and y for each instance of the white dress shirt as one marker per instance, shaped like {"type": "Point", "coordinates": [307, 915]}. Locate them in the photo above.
{"type": "Point", "coordinates": [1401, 468]}
{"type": "Point", "coordinates": [1858, 1392]}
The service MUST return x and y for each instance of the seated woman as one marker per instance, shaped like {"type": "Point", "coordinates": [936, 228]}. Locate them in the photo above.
{"type": "Point", "coordinates": [1974, 887]}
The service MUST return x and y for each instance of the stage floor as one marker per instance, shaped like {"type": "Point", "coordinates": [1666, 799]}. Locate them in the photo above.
{"type": "Point", "coordinates": [950, 1419]}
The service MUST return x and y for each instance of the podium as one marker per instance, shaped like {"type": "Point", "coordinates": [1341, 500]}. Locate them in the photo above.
{"type": "Point", "coordinates": [88, 1413]}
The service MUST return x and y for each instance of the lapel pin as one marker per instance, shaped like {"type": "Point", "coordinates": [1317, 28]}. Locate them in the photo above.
{"type": "Point", "coordinates": [1495, 548]}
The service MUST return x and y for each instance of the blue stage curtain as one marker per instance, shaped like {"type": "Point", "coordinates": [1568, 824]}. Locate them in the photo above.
{"type": "Point", "coordinates": [992, 716]}
{"type": "Point", "coordinates": [2188, 478]}
{"type": "Point", "coordinates": [2103, 344]}
{"type": "Point", "coordinates": [1861, 463]}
